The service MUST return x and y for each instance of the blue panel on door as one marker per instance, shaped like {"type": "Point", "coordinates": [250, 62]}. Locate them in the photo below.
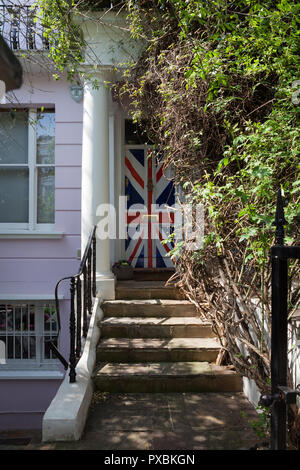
{"type": "Point", "coordinates": [167, 196]}
{"type": "Point", "coordinates": [134, 196]}
{"type": "Point", "coordinates": [127, 241]}
{"type": "Point", "coordinates": [139, 154]}
{"type": "Point", "coordinates": [140, 262]}
{"type": "Point", "coordinates": [159, 260]}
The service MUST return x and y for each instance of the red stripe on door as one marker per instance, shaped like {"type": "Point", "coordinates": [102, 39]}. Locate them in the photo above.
{"type": "Point", "coordinates": [136, 247]}
{"type": "Point", "coordinates": [136, 217]}
{"type": "Point", "coordinates": [164, 244]}
{"type": "Point", "coordinates": [159, 174]}
{"type": "Point", "coordinates": [166, 217]}
{"type": "Point", "coordinates": [133, 172]}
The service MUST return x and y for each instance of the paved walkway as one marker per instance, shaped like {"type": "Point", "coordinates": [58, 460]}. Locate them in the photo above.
{"type": "Point", "coordinates": [160, 421]}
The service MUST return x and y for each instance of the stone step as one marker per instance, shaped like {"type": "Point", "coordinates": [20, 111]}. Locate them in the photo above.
{"type": "Point", "coordinates": [157, 350]}
{"type": "Point", "coordinates": [155, 327]}
{"type": "Point", "coordinates": [166, 377]}
{"type": "Point", "coordinates": [131, 290]}
{"type": "Point", "coordinates": [152, 274]}
{"type": "Point", "coordinates": [150, 308]}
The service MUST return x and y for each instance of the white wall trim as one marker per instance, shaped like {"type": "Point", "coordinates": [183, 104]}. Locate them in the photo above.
{"type": "Point", "coordinates": [31, 375]}
{"type": "Point", "coordinates": [251, 391]}
{"type": "Point", "coordinates": [29, 234]}
{"type": "Point", "coordinates": [65, 418]}
{"type": "Point", "coordinates": [112, 182]}
{"type": "Point", "coordinates": [30, 297]}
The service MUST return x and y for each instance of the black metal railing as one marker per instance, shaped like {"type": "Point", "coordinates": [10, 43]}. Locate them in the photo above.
{"type": "Point", "coordinates": [281, 394]}
{"type": "Point", "coordinates": [82, 291]}
{"type": "Point", "coordinates": [21, 28]}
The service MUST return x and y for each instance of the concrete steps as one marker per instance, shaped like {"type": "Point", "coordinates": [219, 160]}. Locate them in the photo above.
{"type": "Point", "coordinates": [149, 308]}
{"type": "Point", "coordinates": [153, 341]}
{"type": "Point", "coordinates": [155, 327]}
{"type": "Point", "coordinates": [158, 350]}
{"type": "Point", "coordinates": [155, 274]}
{"type": "Point", "coordinates": [166, 377]}
{"type": "Point", "coordinates": [133, 290]}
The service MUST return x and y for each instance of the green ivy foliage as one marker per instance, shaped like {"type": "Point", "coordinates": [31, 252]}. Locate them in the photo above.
{"type": "Point", "coordinates": [62, 33]}
{"type": "Point", "coordinates": [232, 43]}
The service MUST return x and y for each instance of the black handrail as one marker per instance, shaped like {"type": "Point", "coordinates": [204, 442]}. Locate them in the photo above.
{"type": "Point", "coordinates": [83, 292]}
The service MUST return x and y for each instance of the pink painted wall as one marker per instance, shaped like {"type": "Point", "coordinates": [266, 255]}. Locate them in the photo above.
{"type": "Point", "coordinates": [33, 266]}
{"type": "Point", "coordinates": [19, 410]}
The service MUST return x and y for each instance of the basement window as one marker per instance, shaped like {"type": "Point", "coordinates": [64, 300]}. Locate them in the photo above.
{"type": "Point", "coordinates": [24, 329]}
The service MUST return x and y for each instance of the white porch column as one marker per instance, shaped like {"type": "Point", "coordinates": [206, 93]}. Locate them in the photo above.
{"type": "Point", "coordinates": [95, 176]}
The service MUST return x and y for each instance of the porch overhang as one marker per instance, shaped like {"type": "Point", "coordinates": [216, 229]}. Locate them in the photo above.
{"type": "Point", "coordinates": [11, 72]}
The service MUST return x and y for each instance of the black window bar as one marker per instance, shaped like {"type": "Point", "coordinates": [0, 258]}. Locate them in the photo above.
{"type": "Point", "coordinates": [82, 290]}
{"type": "Point", "coordinates": [281, 395]}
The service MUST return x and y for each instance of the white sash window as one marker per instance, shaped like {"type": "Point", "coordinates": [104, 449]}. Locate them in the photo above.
{"type": "Point", "coordinates": [27, 171]}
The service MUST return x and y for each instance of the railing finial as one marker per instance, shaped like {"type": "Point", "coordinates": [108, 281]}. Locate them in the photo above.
{"type": "Point", "coordinates": [279, 220]}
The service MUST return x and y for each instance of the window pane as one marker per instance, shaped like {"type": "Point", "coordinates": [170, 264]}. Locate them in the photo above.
{"type": "Point", "coordinates": [10, 347]}
{"type": "Point", "coordinates": [14, 194]}
{"type": "Point", "coordinates": [32, 317]}
{"type": "Point", "coordinates": [32, 347]}
{"type": "Point", "coordinates": [16, 353]}
{"type": "Point", "coordinates": [135, 133]}
{"type": "Point", "coordinates": [45, 200]}
{"type": "Point", "coordinates": [13, 137]}
{"type": "Point", "coordinates": [2, 349]}
{"type": "Point", "coordinates": [18, 319]}
{"type": "Point", "coordinates": [50, 319]}
{"type": "Point", "coordinates": [45, 134]}
{"type": "Point", "coordinates": [47, 352]}
{"type": "Point", "coordinates": [2, 317]}
{"type": "Point", "coordinates": [23, 347]}
{"type": "Point", "coordinates": [9, 318]}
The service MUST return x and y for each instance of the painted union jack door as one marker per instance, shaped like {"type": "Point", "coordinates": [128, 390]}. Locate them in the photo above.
{"type": "Point", "coordinates": [150, 219]}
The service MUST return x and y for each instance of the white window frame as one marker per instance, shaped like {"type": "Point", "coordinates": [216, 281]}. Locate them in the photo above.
{"type": "Point", "coordinates": [39, 363]}
{"type": "Point", "coordinates": [32, 165]}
